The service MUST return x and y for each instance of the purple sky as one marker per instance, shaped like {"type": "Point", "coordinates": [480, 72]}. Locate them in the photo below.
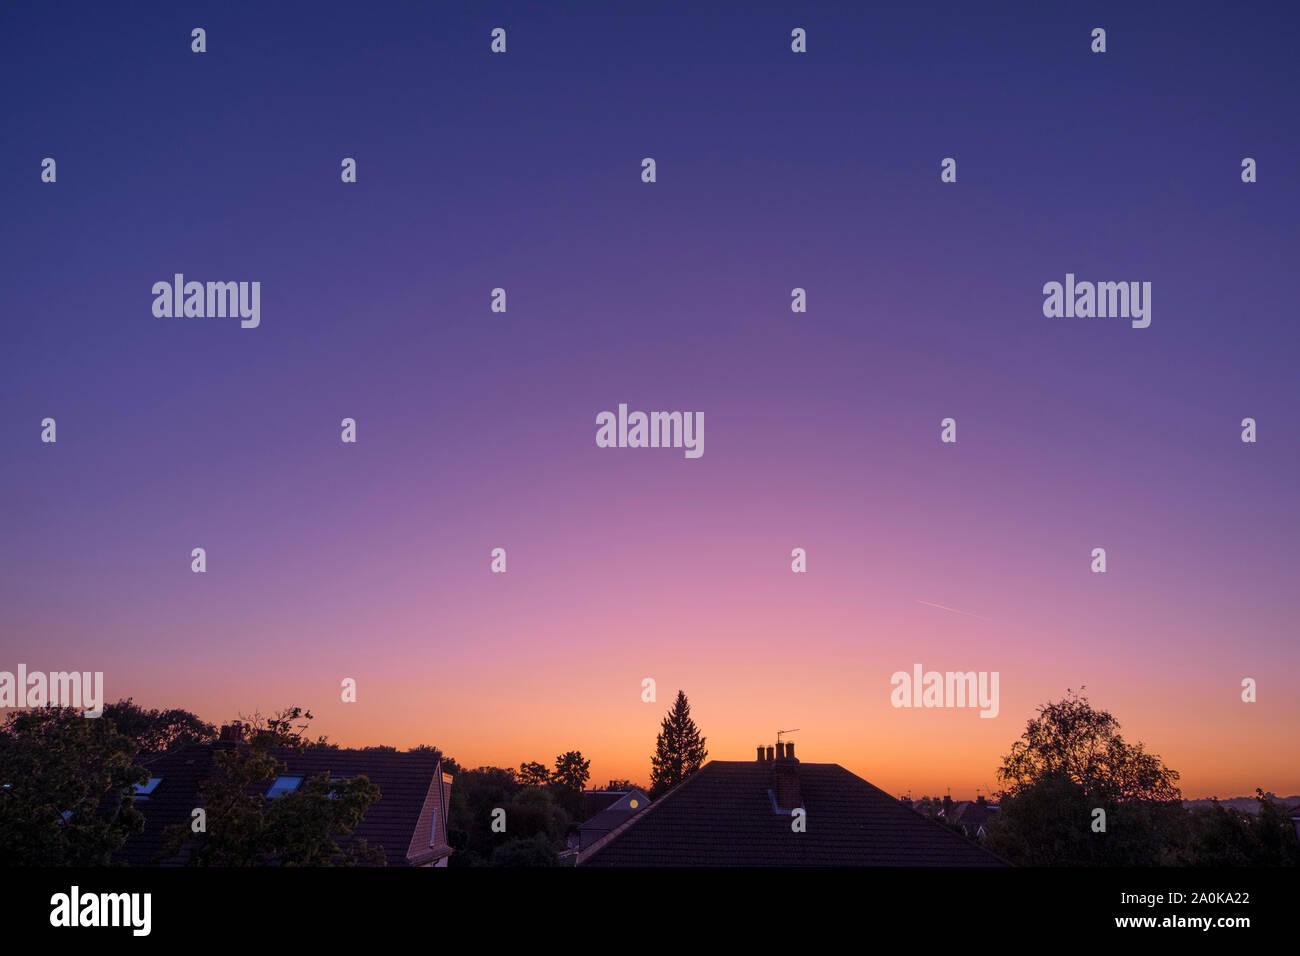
{"type": "Point", "coordinates": [476, 430]}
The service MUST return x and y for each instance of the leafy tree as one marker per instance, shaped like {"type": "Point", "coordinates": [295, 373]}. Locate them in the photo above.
{"type": "Point", "coordinates": [157, 730]}
{"type": "Point", "coordinates": [532, 814]}
{"type": "Point", "coordinates": [1047, 823]}
{"type": "Point", "coordinates": [1279, 844]}
{"type": "Point", "coordinates": [285, 728]}
{"type": "Point", "coordinates": [534, 851]}
{"type": "Point", "coordinates": [66, 788]}
{"type": "Point", "coordinates": [306, 827]}
{"type": "Point", "coordinates": [571, 771]}
{"type": "Point", "coordinates": [535, 810]}
{"type": "Point", "coordinates": [1221, 836]}
{"type": "Point", "coordinates": [1072, 739]}
{"type": "Point", "coordinates": [534, 774]}
{"type": "Point", "coordinates": [679, 749]}
{"type": "Point", "coordinates": [1070, 763]}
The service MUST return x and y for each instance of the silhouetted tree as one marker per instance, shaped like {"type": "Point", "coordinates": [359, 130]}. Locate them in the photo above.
{"type": "Point", "coordinates": [534, 774]}
{"type": "Point", "coordinates": [1071, 763]}
{"type": "Point", "coordinates": [157, 730]}
{"type": "Point", "coordinates": [285, 728]}
{"type": "Point", "coordinates": [1073, 739]}
{"type": "Point", "coordinates": [1220, 836]}
{"type": "Point", "coordinates": [679, 749]}
{"type": "Point", "coordinates": [531, 815]}
{"type": "Point", "coordinates": [304, 827]}
{"type": "Point", "coordinates": [571, 771]}
{"type": "Point", "coordinates": [66, 788]}
{"type": "Point", "coordinates": [535, 851]}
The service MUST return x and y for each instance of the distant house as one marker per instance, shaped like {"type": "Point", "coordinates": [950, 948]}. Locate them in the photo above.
{"type": "Point", "coordinates": [973, 816]}
{"type": "Point", "coordinates": [739, 813]}
{"type": "Point", "coordinates": [1294, 814]}
{"type": "Point", "coordinates": [622, 808]}
{"type": "Point", "coordinates": [409, 820]}
{"type": "Point", "coordinates": [593, 801]}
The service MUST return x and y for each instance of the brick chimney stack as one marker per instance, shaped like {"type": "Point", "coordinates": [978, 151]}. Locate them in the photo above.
{"type": "Point", "coordinates": [231, 733]}
{"type": "Point", "coordinates": [786, 783]}
{"type": "Point", "coordinates": [780, 750]}
{"type": "Point", "coordinates": [760, 753]}
{"type": "Point", "coordinates": [769, 753]}
{"type": "Point", "coordinates": [947, 807]}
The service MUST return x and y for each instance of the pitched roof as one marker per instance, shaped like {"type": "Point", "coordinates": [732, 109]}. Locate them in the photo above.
{"type": "Point", "coordinates": [972, 814]}
{"type": "Point", "coordinates": [608, 820]}
{"type": "Point", "coordinates": [594, 801]}
{"type": "Point", "coordinates": [723, 815]}
{"type": "Point", "coordinates": [410, 814]}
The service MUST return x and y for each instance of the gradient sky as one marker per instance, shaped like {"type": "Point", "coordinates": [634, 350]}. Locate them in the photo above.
{"type": "Point", "coordinates": [476, 430]}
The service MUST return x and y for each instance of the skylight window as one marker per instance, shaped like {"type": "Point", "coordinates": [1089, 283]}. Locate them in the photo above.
{"type": "Point", "coordinates": [282, 786]}
{"type": "Point", "coordinates": [144, 789]}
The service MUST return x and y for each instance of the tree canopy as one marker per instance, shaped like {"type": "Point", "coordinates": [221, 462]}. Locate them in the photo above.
{"type": "Point", "coordinates": [309, 826]}
{"type": "Point", "coordinates": [1075, 793]}
{"type": "Point", "coordinates": [1073, 740]}
{"type": "Point", "coordinates": [66, 788]}
{"type": "Point", "coordinates": [157, 730]}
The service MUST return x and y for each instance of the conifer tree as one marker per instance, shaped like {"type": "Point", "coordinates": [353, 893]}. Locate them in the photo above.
{"type": "Point", "coordinates": [679, 749]}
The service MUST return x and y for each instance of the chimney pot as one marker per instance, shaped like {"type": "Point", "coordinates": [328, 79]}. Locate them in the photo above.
{"type": "Point", "coordinates": [780, 750]}
{"type": "Point", "coordinates": [789, 751]}
{"type": "Point", "coordinates": [760, 753]}
{"type": "Point", "coordinates": [769, 753]}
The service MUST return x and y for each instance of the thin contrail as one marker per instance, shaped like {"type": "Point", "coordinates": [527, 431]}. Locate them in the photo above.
{"type": "Point", "coordinates": [944, 607]}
